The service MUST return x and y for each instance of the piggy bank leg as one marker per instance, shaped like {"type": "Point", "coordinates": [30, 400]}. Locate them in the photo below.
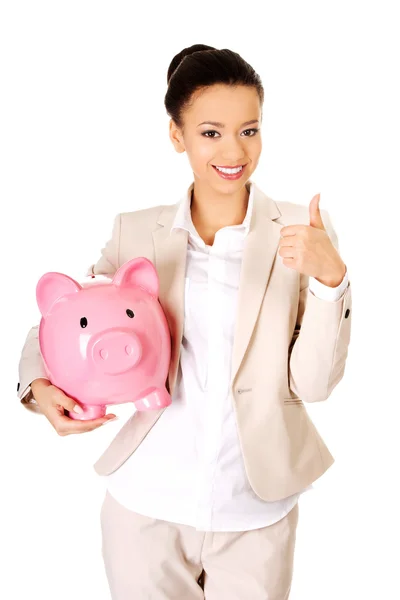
{"type": "Point", "coordinates": [153, 399]}
{"type": "Point", "coordinates": [89, 412]}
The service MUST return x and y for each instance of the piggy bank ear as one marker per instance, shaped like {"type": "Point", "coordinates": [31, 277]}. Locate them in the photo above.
{"type": "Point", "coordinates": [51, 287]}
{"type": "Point", "coordinates": [138, 271]}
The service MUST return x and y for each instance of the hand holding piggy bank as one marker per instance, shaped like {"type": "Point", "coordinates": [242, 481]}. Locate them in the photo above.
{"type": "Point", "coordinates": [106, 342]}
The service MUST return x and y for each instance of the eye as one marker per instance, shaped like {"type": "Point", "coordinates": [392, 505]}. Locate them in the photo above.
{"type": "Point", "coordinates": [130, 313]}
{"type": "Point", "coordinates": [255, 130]}
{"type": "Point", "coordinates": [211, 131]}
{"type": "Point", "coordinates": [83, 322]}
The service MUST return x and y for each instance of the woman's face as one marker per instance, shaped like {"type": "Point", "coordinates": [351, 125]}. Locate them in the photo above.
{"type": "Point", "coordinates": [234, 141]}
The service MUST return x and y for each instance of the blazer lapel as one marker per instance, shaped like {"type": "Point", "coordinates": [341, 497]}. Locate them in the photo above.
{"type": "Point", "coordinates": [170, 262]}
{"type": "Point", "coordinates": [259, 254]}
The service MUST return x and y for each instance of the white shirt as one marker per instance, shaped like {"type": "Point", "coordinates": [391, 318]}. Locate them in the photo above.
{"type": "Point", "coordinates": [189, 468]}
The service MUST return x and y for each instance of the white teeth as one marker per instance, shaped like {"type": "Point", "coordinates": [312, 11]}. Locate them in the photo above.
{"type": "Point", "coordinates": [229, 171]}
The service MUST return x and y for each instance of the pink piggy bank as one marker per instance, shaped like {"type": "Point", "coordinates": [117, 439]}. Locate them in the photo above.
{"type": "Point", "coordinates": [106, 342]}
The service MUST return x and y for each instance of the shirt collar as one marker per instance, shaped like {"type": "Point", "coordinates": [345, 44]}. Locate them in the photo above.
{"type": "Point", "coordinates": [183, 217]}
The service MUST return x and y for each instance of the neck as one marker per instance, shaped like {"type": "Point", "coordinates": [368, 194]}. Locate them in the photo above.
{"type": "Point", "coordinates": [211, 210]}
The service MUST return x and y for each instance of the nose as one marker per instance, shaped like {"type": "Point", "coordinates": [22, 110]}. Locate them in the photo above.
{"type": "Point", "coordinates": [233, 151]}
{"type": "Point", "coordinates": [116, 351]}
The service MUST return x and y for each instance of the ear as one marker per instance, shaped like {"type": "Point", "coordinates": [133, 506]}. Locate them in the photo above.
{"type": "Point", "coordinates": [53, 286]}
{"type": "Point", "coordinates": [175, 135]}
{"type": "Point", "coordinates": [140, 272]}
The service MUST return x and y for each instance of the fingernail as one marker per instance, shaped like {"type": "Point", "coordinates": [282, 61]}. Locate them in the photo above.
{"type": "Point", "coordinates": [108, 420]}
{"type": "Point", "coordinates": [78, 409]}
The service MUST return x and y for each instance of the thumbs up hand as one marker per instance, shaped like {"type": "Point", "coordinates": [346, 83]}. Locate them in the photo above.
{"type": "Point", "coordinates": [309, 250]}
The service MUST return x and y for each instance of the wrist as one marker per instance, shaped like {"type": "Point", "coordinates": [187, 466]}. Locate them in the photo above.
{"type": "Point", "coordinates": [39, 384]}
{"type": "Point", "coordinates": [334, 280]}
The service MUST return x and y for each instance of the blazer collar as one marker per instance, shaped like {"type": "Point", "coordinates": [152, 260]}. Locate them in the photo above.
{"type": "Point", "coordinates": [176, 215]}
{"type": "Point", "coordinates": [183, 217]}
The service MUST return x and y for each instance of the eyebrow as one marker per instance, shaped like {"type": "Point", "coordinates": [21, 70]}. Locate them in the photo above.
{"type": "Point", "coordinates": [217, 124]}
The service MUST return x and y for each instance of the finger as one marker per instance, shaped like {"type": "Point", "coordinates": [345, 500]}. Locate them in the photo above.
{"type": "Point", "coordinates": [66, 402]}
{"type": "Point", "coordinates": [289, 240]}
{"type": "Point", "coordinates": [90, 425]}
{"type": "Point", "coordinates": [291, 263]}
{"type": "Point", "coordinates": [291, 230]}
{"type": "Point", "coordinates": [287, 252]}
{"type": "Point", "coordinates": [315, 213]}
{"type": "Point", "coordinates": [65, 425]}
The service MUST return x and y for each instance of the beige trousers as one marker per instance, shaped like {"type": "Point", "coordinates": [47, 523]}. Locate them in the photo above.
{"type": "Point", "coordinates": [150, 559]}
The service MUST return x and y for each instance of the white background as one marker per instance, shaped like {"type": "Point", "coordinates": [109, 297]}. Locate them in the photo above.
{"type": "Point", "coordinates": [83, 133]}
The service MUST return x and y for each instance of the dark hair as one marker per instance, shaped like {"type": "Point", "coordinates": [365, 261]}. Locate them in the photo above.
{"type": "Point", "coordinates": [200, 66]}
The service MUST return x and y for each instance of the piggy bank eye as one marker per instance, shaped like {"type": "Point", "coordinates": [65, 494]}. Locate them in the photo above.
{"type": "Point", "coordinates": [84, 322]}
{"type": "Point", "coordinates": [130, 313]}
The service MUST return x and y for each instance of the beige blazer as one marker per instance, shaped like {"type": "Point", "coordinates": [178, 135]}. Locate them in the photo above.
{"type": "Point", "coordinates": [290, 347]}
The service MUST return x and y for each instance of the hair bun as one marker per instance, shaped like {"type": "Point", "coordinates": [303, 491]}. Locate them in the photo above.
{"type": "Point", "coordinates": [178, 58]}
{"type": "Point", "coordinates": [199, 67]}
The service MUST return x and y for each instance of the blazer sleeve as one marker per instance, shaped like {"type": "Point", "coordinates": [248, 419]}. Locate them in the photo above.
{"type": "Point", "coordinates": [31, 365]}
{"type": "Point", "coordinates": [319, 347]}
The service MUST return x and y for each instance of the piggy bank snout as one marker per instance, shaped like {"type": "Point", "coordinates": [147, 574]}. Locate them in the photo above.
{"type": "Point", "coordinates": [116, 351]}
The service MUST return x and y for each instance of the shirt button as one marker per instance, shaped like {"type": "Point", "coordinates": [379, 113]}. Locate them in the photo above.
{"type": "Point", "coordinates": [346, 314]}
{"type": "Point", "coordinates": [18, 387]}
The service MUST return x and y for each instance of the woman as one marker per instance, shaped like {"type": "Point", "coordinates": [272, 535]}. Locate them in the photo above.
{"type": "Point", "coordinates": [257, 297]}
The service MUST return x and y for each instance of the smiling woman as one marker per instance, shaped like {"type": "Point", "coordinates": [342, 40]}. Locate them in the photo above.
{"type": "Point", "coordinates": [224, 158]}
{"type": "Point", "coordinates": [218, 88]}
{"type": "Point", "coordinates": [202, 497]}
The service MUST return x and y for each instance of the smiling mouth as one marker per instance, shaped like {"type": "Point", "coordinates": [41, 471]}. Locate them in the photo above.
{"type": "Point", "coordinates": [229, 170]}
{"type": "Point", "coordinates": [230, 166]}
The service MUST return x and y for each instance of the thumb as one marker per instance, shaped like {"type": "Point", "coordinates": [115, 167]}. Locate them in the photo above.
{"type": "Point", "coordinates": [315, 213]}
